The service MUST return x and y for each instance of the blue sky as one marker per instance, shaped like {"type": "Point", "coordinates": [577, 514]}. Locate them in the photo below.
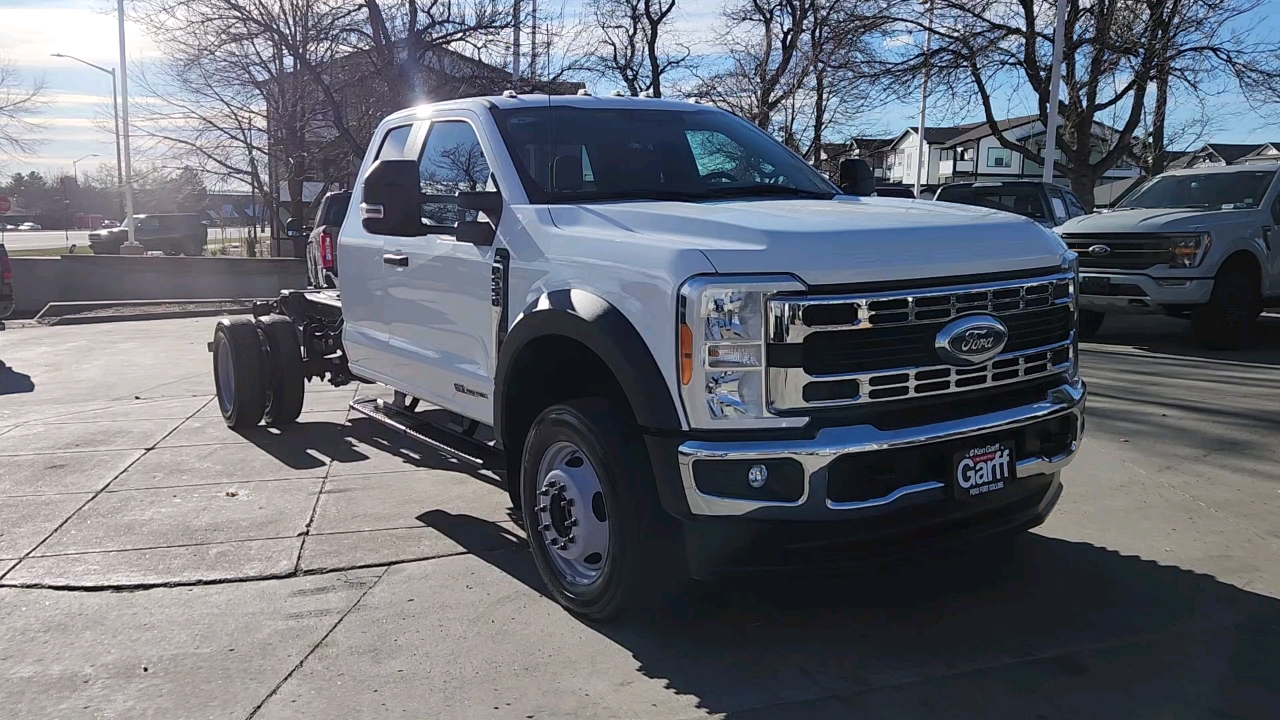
{"type": "Point", "coordinates": [78, 116]}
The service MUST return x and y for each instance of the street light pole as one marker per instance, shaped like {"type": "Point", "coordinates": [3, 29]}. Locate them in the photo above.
{"type": "Point", "coordinates": [921, 161]}
{"type": "Point", "coordinates": [1055, 79]}
{"type": "Point", "coordinates": [115, 113]}
{"type": "Point", "coordinates": [75, 172]}
{"type": "Point", "coordinates": [133, 248]}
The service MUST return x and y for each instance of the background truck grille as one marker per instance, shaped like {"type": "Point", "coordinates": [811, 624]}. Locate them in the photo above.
{"type": "Point", "coordinates": [845, 350]}
{"type": "Point", "coordinates": [1128, 251]}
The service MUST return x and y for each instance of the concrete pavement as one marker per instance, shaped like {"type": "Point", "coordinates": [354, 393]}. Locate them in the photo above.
{"type": "Point", "coordinates": [333, 571]}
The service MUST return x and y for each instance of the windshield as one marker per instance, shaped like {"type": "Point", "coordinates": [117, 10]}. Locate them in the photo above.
{"type": "Point", "coordinates": [1024, 200]}
{"type": "Point", "coordinates": [1219, 191]}
{"type": "Point", "coordinates": [570, 154]}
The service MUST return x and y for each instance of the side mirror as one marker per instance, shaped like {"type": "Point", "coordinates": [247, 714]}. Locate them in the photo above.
{"type": "Point", "coordinates": [392, 203]}
{"type": "Point", "coordinates": [856, 177]}
{"type": "Point", "coordinates": [488, 202]}
{"type": "Point", "coordinates": [476, 232]}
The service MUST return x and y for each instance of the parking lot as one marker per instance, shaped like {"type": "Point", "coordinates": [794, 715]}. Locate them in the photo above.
{"type": "Point", "coordinates": [153, 564]}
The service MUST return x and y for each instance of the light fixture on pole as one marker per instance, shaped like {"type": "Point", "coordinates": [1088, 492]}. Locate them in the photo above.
{"type": "Point", "coordinates": [115, 110]}
{"type": "Point", "coordinates": [1055, 79]}
{"type": "Point", "coordinates": [131, 247]}
{"type": "Point", "coordinates": [924, 100]}
{"type": "Point", "coordinates": [75, 172]}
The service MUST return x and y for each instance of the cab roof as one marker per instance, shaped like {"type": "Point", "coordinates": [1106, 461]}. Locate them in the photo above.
{"type": "Point", "coordinates": [535, 101]}
{"type": "Point", "coordinates": [1225, 169]}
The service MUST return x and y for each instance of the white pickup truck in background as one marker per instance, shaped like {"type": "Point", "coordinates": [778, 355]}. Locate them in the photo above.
{"type": "Point", "coordinates": [687, 352]}
{"type": "Point", "coordinates": [1198, 243]}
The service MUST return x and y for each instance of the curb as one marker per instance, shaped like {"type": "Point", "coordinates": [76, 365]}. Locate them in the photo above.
{"type": "Point", "coordinates": [130, 317]}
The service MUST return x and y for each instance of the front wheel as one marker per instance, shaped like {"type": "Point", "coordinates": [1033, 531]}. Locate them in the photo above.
{"type": "Point", "coordinates": [1090, 323]}
{"type": "Point", "coordinates": [598, 534]}
{"type": "Point", "coordinates": [1226, 323]}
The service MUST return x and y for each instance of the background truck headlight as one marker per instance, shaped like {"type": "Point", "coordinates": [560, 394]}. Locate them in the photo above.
{"type": "Point", "coordinates": [721, 330]}
{"type": "Point", "coordinates": [1189, 249]}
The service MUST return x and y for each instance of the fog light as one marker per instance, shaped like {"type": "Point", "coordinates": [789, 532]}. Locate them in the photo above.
{"type": "Point", "coordinates": [757, 475]}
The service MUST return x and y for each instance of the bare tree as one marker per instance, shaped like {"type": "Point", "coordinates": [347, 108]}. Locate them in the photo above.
{"type": "Point", "coordinates": [764, 42]}
{"type": "Point", "coordinates": [1113, 52]}
{"type": "Point", "coordinates": [19, 101]}
{"type": "Point", "coordinates": [633, 41]}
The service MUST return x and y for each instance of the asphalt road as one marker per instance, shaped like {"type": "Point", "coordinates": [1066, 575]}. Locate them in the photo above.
{"type": "Point", "coordinates": [332, 571]}
{"type": "Point", "coordinates": [46, 239]}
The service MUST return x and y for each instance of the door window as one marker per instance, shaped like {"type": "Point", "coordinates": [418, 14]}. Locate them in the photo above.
{"type": "Point", "coordinates": [393, 145]}
{"type": "Point", "coordinates": [452, 162]}
{"type": "Point", "coordinates": [1074, 206]}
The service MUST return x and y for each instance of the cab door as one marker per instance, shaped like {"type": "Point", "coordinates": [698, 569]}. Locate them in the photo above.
{"type": "Point", "coordinates": [365, 335]}
{"type": "Point", "coordinates": [438, 303]}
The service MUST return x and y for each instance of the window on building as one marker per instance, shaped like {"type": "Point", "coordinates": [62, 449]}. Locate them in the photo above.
{"type": "Point", "coordinates": [948, 155]}
{"type": "Point", "coordinates": [452, 161]}
{"type": "Point", "coordinates": [999, 158]}
{"type": "Point", "coordinates": [966, 153]}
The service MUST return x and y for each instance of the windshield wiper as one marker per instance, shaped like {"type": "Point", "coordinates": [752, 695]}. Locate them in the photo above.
{"type": "Point", "coordinates": [764, 189]}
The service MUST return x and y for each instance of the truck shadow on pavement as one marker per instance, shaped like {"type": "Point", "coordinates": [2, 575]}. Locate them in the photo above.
{"type": "Point", "coordinates": [1036, 627]}
{"type": "Point", "coordinates": [13, 382]}
{"type": "Point", "coordinates": [312, 444]}
{"type": "Point", "coordinates": [1172, 336]}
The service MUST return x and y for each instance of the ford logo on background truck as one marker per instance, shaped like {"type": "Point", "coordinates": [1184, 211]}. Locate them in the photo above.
{"type": "Point", "coordinates": [971, 340]}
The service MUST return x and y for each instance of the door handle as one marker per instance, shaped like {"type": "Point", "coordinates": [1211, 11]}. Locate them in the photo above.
{"type": "Point", "coordinates": [396, 259]}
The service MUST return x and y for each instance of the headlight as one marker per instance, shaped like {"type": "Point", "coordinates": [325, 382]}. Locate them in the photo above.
{"type": "Point", "coordinates": [722, 327]}
{"type": "Point", "coordinates": [1189, 250]}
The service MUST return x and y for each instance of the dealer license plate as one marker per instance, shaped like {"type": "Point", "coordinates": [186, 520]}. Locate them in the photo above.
{"type": "Point", "coordinates": [1095, 285]}
{"type": "Point", "coordinates": [980, 470]}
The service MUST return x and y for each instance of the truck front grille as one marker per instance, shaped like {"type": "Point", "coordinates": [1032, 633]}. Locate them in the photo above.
{"type": "Point", "coordinates": [1123, 251]}
{"type": "Point", "coordinates": [834, 351]}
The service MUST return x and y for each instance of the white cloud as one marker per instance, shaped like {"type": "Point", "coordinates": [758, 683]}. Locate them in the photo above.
{"type": "Point", "coordinates": [29, 35]}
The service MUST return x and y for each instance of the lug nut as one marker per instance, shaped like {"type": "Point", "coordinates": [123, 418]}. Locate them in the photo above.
{"type": "Point", "coordinates": [541, 508]}
{"type": "Point", "coordinates": [544, 527]}
{"type": "Point", "coordinates": [568, 502]}
{"type": "Point", "coordinates": [571, 522]}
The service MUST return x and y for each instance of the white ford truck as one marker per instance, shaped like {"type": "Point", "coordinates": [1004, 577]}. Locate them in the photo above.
{"type": "Point", "coordinates": [687, 352]}
{"type": "Point", "coordinates": [1198, 243]}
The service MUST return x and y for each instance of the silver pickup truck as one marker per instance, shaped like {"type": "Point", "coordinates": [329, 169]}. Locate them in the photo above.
{"type": "Point", "coordinates": [1191, 243]}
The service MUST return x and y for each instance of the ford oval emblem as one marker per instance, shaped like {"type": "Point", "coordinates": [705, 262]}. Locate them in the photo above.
{"type": "Point", "coordinates": [1099, 251]}
{"type": "Point", "coordinates": [971, 340]}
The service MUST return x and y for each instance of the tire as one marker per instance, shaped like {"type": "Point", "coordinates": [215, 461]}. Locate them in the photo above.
{"type": "Point", "coordinates": [285, 388]}
{"type": "Point", "coordinates": [194, 250]}
{"type": "Point", "coordinates": [1090, 323]}
{"type": "Point", "coordinates": [1226, 323]}
{"type": "Point", "coordinates": [568, 445]}
{"type": "Point", "coordinates": [238, 372]}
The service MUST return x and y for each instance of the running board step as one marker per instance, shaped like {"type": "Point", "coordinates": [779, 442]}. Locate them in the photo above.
{"type": "Point", "coordinates": [412, 425]}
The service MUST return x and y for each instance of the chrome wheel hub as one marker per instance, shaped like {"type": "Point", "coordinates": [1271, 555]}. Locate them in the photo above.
{"type": "Point", "coordinates": [571, 519]}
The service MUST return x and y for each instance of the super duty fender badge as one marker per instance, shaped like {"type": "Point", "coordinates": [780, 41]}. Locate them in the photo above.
{"type": "Point", "coordinates": [971, 340]}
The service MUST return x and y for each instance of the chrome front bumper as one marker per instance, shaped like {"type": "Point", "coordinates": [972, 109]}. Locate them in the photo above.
{"type": "Point", "coordinates": [816, 454]}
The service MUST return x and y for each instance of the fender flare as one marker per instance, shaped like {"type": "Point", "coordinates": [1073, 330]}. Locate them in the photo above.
{"type": "Point", "coordinates": [603, 329]}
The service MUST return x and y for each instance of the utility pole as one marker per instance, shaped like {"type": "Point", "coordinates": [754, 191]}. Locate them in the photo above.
{"type": "Point", "coordinates": [533, 41]}
{"type": "Point", "coordinates": [131, 247]}
{"type": "Point", "coordinates": [1055, 79]}
{"type": "Point", "coordinates": [515, 46]}
{"type": "Point", "coordinates": [921, 164]}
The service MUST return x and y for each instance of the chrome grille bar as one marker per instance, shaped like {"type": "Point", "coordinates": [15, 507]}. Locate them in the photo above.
{"type": "Point", "coordinates": [791, 319]}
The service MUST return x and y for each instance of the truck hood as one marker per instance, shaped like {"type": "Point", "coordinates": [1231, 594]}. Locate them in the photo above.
{"type": "Point", "coordinates": [830, 242]}
{"type": "Point", "coordinates": [1154, 220]}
